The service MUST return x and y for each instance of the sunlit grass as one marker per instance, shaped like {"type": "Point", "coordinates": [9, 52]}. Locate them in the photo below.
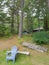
{"type": "Point", "coordinates": [35, 58]}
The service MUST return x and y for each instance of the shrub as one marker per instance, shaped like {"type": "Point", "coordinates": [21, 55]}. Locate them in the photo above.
{"type": "Point", "coordinates": [41, 37]}
{"type": "Point", "coordinates": [4, 31]}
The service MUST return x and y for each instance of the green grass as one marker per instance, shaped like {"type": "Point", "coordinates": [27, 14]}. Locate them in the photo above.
{"type": "Point", "coordinates": [35, 58]}
{"type": "Point", "coordinates": [20, 60]}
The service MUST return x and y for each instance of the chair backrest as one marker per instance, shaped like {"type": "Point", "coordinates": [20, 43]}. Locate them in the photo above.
{"type": "Point", "coordinates": [14, 49]}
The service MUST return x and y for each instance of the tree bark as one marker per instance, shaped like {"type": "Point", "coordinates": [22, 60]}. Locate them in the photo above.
{"type": "Point", "coordinates": [48, 3]}
{"type": "Point", "coordinates": [45, 17]}
{"type": "Point", "coordinates": [21, 19]}
{"type": "Point", "coordinates": [21, 24]}
{"type": "Point", "coordinates": [45, 24]}
{"type": "Point", "coordinates": [12, 24]}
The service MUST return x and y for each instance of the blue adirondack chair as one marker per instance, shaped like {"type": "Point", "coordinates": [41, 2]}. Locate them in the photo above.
{"type": "Point", "coordinates": [11, 55]}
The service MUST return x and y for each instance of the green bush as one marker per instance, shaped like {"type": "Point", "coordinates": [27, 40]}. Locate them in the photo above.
{"type": "Point", "coordinates": [41, 37]}
{"type": "Point", "coordinates": [4, 31]}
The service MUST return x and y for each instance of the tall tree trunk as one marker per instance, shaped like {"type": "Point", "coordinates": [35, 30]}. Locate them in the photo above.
{"type": "Point", "coordinates": [21, 24]}
{"type": "Point", "coordinates": [45, 16]}
{"type": "Point", "coordinates": [21, 19]}
{"type": "Point", "coordinates": [17, 22]}
{"type": "Point", "coordinates": [17, 17]}
{"type": "Point", "coordinates": [45, 24]}
{"type": "Point", "coordinates": [48, 3]}
{"type": "Point", "coordinates": [48, 12]}
{"type": "Point", "coordinates": [27, 22]}
{"type": "Point", "coordinates": [12, 15]}
{"type": "Point", "coordinates": [12, 24]}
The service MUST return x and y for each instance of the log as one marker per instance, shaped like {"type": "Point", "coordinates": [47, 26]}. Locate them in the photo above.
{"type": "Point", "coordinates": [35, 47]}
{"type": "Point", "coordinates": [24, 52]}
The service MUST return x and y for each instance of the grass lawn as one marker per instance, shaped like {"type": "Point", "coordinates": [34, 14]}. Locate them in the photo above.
{"type": "Point", "coordinates": [35, 57]}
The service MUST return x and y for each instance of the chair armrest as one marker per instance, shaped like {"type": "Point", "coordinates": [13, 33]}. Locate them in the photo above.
{"type": "Point", "coordinates": [8, 52]}
{"type": "Point", "coordinates": [24, 52]}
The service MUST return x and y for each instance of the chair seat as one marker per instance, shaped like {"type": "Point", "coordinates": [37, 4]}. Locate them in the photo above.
{"type": "Point", "coordinates": [9, 57]}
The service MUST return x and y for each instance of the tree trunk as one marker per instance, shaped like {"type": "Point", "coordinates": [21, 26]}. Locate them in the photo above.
{"type": "Point", "coordinates": [17, 18]}
{"type": "Point", "coordinates": [21, 19]}
{"type": "Point", "coordinates": [48, 3]}
{"type": "Point", "coordinates": [45, 24]}
{"type": "Point", "coordinates": [12, 24]}
{"type": "Point", "coordinates": [21, 24]}
{"type": "Point", "coordinates": [45, 17]}
{"type": "Point", "coordinates": [17, 22]}
{"type": "Point", "coordinates": [12, 15]}
{"type": "Point", "coordinates": [48, 12]}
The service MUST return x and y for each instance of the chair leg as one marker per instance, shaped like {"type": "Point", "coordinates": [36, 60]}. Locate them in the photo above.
{"type": "Point", "coordinates": [6, 60]}
{"type": "Point", "coordinates": [13, 60]}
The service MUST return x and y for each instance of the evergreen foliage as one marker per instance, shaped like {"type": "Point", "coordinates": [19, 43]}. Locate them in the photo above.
{"type": "Point", "coordinates": [41, 37]}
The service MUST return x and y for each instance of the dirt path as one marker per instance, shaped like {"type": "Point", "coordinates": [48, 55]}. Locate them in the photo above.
{"type": "Point", "coordinates": [7, 44]}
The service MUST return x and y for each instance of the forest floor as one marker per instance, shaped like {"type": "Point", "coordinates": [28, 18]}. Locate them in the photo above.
{"type": "Point", "coordinates": [35, 57]}
{"type": "Point", "coordinates": [8, 43]}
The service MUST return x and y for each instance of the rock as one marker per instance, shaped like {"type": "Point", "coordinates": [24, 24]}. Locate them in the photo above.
{"type": "Point", "coordinates": [35, 47]}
